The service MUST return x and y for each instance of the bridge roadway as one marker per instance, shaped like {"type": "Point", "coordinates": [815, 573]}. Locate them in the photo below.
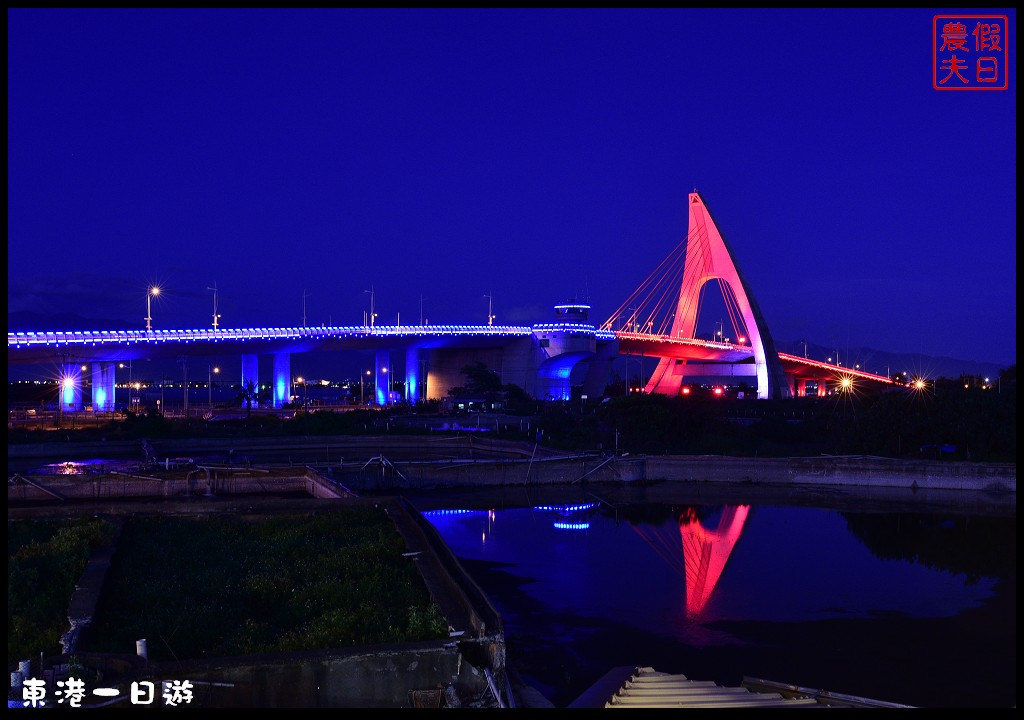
{"type": "Point", "coordinates": [704, 351]}
{"type": "Point", "coordinates": [124, 345]}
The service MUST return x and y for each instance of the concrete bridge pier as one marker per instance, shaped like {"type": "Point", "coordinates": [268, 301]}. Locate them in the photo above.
{"type": "Point", "coordinates": [600, 369]}
{"type": "Point", "coordinates": [415, 378]}
{"type": "Point", "coordinates": [382, 371]}
{"type": "Point", "coordinates": [250, 370]}
{"type": "Point", "coordinates": [282, 379]}
{"type": "Point", "coordinates": [70, 387]}
{"type": "Point", "coordinates": [103, 386]}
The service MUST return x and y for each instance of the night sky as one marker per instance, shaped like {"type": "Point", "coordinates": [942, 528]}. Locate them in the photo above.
{"type": "Point", "coordinates": [534, 155]}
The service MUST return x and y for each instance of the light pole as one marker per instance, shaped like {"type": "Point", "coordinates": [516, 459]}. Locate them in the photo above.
{"type": "Point", "coordinates": [209, 384]}
{"type": "Point", "coordinates": [84, 369]}
{"type": "Point", "coordinates": [216, 316]}
{"type": "Point", "coordinates": [362, 399]}
{"type": "Point", "coordinates": [387, 390]}
{"type": "Point", "coordinates": [184, 371]}
{"type": "Point", "coordinates": [373, 314]}
{"type": "Point", "coordinates": [153, 292]}
{"type": "Point", "coordinates": [490, 308]}
{"type": "Point", "coordinates": [62, 382]}
{"type": "Point", "coordinates": [302, 381]}
{"type": "Point", "coordinates": [120, 366]}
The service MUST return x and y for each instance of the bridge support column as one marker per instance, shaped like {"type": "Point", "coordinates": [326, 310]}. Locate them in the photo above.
{"type": "Point", "coordinates": [250, 371]}
{"type": "Point", "coordinates": [282, 379]}
{"type": "Point", "coordinates": [415, 378]}
{"type": "Point", "coordinates": [596, 379]}
{"type": "Point", "coordinates": [801, 387]}
{"type": "Point", "coordinates": [382, 371]}
{"type": "Point", "coordinates": [70, 387]}
{"type": "Point", "coordinates": [821, 388]}
{"type": "Point", "coordinates": [103, 386]}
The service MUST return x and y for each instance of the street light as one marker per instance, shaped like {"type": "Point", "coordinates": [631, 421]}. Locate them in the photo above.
{"type": "Point", "coordinates": [387, 391]}
{"type": "Point", "coordinates": [153, 292]}
{"type": "Point", "coordinates": [184, 371]}
{"type": "Point", "coordinates": [302, 381]}
{"type": "Point", "coordinates": [362, 399]}
{"type": "Point", "coordinates": [209, 384]}
{"type": "Point", "coordinates": [65, 383]}
{"type": "Point", "coordinates": [373, 314]}
{"type": "Point", "coordinates": [490, 308]}
{"type": "Point", "coordinates": [216, 315]}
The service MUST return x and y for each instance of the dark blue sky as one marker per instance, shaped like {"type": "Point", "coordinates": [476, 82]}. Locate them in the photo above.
{"type": "Point", "coordinates": [535, 154]}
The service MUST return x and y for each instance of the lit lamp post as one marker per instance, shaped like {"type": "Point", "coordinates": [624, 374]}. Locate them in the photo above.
{"type": "Point", "coordinates": [153, 292]}
{"type": "Point", "coordinates": [490, 308]}
{"type": "Point", "coordinates": [387, 388]}
{"type": "Point", "coordinates": [64, 385]}
{"type": "Point", "coordinates": [302, 381]}
{"type": "Point", "coordinates": [209, 384]}
{"type": "Point", "coordinates": [120, 366]}
{"type": "Point", "coordinates": [362, 400]}
{"type": "Point", "coordinates": [84, 369]}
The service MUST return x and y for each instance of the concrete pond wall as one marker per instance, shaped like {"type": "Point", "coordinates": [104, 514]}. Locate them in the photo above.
{"type": "Point", "coordinates": [368, 676]}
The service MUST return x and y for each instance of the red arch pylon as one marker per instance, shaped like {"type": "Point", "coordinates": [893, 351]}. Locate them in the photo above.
{"type": "Point", "coordinates": [708, 257]}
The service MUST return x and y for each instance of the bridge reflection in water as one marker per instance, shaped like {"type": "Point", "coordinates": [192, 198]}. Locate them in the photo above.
{"type": "Point", "coordinates": [702, 554]}
{"type": "Point", "coordinates": [916, 608]}
{"type": "Point", "coordinates": [699, 554]}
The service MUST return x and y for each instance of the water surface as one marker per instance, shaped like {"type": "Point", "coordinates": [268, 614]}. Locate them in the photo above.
{"type": "Point", "coordinates": [903, 607]}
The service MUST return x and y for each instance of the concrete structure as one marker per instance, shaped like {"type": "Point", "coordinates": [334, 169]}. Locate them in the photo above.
{"type": "Point", "coordinates": [645, 687]}
{"type": "Point", "coordinates": [708, 257]}
{"type": "Point", "coordinates": [468, 664]}
{"type": "Point", "coordinates": [546, 359]}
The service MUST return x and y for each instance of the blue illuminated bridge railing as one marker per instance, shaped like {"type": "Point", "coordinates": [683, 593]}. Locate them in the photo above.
{"type": "Point", "coordinates": [115, 337]}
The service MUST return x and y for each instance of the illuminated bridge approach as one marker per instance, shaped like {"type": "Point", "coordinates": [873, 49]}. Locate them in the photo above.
{"type": "Point", "coordinates": [658, 320]}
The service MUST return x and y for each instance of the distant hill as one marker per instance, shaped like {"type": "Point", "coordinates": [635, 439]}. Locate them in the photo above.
{"type": "Point", "coordinates": [27, 320]}
{"type": "Point", "coordinates": [881, 362]}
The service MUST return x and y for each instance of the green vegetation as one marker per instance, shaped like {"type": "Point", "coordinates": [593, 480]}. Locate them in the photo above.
{"type": "Point", "coordinates": [44, 561]}
{"type": "Point", "coordinates": [222, 586]}
{"type": "Point", "coordinates": [968, 418]}
{"type": "Point", "coordinates": [952, 543]}
{"type": "Point", "coordinates": [946, 422]}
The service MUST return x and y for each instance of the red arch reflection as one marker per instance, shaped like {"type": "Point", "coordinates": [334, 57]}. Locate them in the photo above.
{"type": "Point", "coordinates": [705, 552]}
